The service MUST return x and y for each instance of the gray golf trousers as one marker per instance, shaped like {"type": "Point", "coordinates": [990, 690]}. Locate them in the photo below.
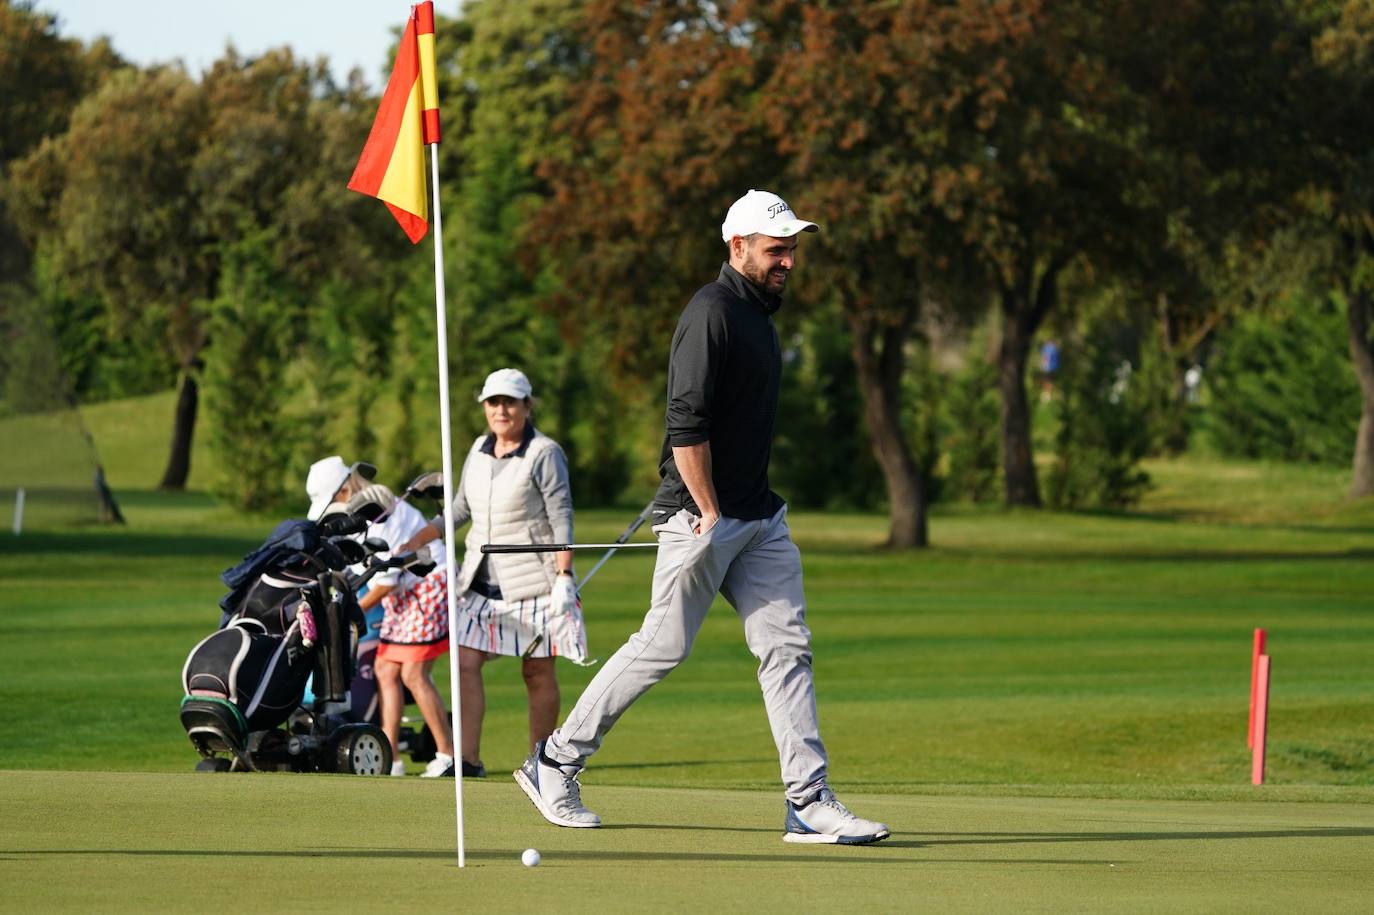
{"type": "Point", "coordinates": [757, 568]}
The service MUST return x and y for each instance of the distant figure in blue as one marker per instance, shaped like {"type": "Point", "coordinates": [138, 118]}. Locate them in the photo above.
{"type": "Point", "coordinates": [1049, 366]}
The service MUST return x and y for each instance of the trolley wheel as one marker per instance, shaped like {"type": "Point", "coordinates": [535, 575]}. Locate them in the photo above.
{"type": "Point", "coordinates": [214, 764]}
{"type": "Point", "coordinates": [362, 750]}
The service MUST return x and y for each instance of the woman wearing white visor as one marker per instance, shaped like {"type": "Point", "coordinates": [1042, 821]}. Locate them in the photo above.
{"type": "Point", "coordinates": [514, 489]}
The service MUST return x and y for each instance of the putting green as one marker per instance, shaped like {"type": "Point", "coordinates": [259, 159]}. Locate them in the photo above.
{"type": "Point", "coordinates": [143, 842]}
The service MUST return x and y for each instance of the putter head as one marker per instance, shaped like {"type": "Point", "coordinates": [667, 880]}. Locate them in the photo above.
{"type": "Point", "coordinates": [430, 485]}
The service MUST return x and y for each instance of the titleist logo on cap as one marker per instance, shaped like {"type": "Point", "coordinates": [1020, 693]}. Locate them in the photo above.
{"type": "Point", "coordinates": [762, 212]}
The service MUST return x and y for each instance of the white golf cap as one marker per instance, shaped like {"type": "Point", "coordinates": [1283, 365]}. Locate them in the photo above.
{"type": "Point", "coordinates": [763, 212]}
{"type": "Point", "coordinates": [508, 382]}
{"type": "Point", "coordinates": [325, 478]}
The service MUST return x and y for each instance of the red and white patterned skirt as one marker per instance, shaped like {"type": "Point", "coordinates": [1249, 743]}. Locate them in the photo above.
{"type": "Point", "coordinates": [415, 622]}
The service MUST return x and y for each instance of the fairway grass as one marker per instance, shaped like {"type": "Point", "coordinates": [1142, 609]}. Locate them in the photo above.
{"type": "Point", "coordinates": [132, 842]}
{"type": "Point", "coordinates": [1048, 708]}
{"type": "Point", "coordinates": [1031, 649]}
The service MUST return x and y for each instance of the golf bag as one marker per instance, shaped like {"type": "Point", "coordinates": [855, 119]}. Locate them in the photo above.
{"type": "Point", "coordinates": [283, 625]}
{"type": "Point", "coordinates": [274, 599]}
{"type": "Point", "coordinates": [249, 674]}
{"type": "Point", "coordinates": [287, 543]}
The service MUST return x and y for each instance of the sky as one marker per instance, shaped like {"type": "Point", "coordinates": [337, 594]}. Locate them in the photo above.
{"type": "Point", "coordinates": [351, 33]}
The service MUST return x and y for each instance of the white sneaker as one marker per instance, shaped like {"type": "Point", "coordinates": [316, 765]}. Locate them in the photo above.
{"type": "Point", "coordinates": [398, 768]}
{"type": "Point", "coordinates": [555, 791]}
{"type": "Point", "coordinates": [825, 819]}
{"type": "Point", "coordinates": [441, 766]}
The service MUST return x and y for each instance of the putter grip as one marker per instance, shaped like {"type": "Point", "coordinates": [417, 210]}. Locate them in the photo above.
{"type": "Point", "coordinates": [524, 547]}
{"type": "Point", "coordinates": [561, 547]}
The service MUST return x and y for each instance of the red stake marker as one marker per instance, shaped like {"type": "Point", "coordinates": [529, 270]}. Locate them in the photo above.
{"type": "Point", "coordinates": [1261, 722]}
{"type": "Point", "coordinates": [1254, 684]}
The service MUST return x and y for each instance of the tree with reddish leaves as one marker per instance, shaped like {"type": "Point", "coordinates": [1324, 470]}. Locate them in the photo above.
{"type": "Point", "coordinates": [1062, 156]}
{"type": "Point", "coordinates": [962, 154]}
{"type": "Point", "coordinates": [856, 115]}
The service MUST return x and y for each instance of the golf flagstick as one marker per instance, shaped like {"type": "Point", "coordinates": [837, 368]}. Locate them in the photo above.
{"type": "Point", "coordinates": [423, 16]}
{"type": "Point", "coordinates": [392, 169]}
{"type": "Point", "coordinates": [450, 552]}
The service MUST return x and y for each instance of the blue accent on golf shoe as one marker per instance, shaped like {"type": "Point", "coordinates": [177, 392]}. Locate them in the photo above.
{"type": "Point", "coordinates": [554, 791]}
{"type": "Point", "coordinates": [824, 820]}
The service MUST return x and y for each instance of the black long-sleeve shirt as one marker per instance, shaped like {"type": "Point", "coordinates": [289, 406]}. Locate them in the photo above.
{"type": "Point", "coordinates": [723, 378]}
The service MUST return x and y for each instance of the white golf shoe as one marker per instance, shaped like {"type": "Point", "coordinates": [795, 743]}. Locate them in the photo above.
{"type": "Point", "coordinates": [825, 820]}
{"type": "Point", "coordinates": [555, 791]}
{"type": "Point", "coordinates": [441, 766]}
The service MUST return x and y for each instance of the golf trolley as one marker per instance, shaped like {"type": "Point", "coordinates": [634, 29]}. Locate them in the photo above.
{"type": "Point", "coordinates": [292, 614]}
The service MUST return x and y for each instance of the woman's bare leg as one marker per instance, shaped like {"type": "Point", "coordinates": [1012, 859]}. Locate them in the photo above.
{"type": "Point", "coordinates": [541, 682]}
{"type": "Point", "coordinates": [388, 674]}
{"type": "Point", "coordinates": [474, 702]}
{"type": "Point", "coordinates": [415, 675]}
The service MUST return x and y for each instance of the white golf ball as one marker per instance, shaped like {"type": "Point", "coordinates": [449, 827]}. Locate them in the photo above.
{"type": "Point", "coordinates": [530, 858]}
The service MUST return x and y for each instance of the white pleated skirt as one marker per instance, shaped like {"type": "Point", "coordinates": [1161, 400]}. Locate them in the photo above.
{"type": "Point", "coordinates": [510, 628]}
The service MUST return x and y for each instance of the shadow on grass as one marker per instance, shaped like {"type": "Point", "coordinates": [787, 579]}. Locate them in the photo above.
{"type": "Point", "coordinates": [134, 546]}
{"type": "Point", "coordinates": [1018, 838]}
{"type": "Point", "coordinates": [486, 854]}
{"type": "Point", "coordinates": [878, 852]}
{"type": "Point", "coordinates": [686, 827]}
{"type": "Point", "coordinates": [1189, 516]}
{"type": "Point", "coordinates": [1070, 553]}
{"type": "Point", "coordinates": [683, 763]}
{"type": "Point", "coordinates": [1145, 555]}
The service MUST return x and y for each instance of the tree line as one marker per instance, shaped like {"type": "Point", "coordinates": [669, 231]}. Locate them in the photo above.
{"type": "Point", "coordinates": [1157, 188]}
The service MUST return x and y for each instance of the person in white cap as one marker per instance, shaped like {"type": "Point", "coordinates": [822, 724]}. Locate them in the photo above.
{"type": "Point", "coordinates": [720, 530]}
{"type": "Point", "coordinates": [514, 488]}
{"type": "Point", "coordinates": [414, 630]}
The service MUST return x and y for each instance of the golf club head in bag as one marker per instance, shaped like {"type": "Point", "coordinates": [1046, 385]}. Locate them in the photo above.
{"type": "Point", "coordinates": [430, 485]}
{"type": "Point", "coordinates": [373, 501]}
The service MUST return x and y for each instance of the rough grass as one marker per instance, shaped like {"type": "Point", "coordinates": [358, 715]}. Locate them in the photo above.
{"type": "Point", "coordinates": [1026, 649]}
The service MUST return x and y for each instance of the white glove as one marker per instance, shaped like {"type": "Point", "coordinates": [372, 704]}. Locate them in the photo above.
{"type": "Point", "coordinates": [564, 594]}
{"type": "Point", "coordinates": [374, 493]}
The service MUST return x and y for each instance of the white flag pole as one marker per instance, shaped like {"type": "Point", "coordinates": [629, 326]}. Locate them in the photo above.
{"type": "Point", "coordinates": [450, 551]}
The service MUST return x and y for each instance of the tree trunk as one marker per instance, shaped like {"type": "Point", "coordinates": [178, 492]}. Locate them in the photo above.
{"type": "Point", "coordinates": [1018, 461]}
{"type": "Point", "coordinates": [1024, 307]}
{"type": "Point", "coordinates": [880, 368]}
{"type": "Point", "coordinates": [1360, 310]}
{"type": "Point", "coordinates": [183, 431]}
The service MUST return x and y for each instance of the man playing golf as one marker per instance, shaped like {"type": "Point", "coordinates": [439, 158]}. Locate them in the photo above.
{"type": "Point", "coordinates": [720, 529]}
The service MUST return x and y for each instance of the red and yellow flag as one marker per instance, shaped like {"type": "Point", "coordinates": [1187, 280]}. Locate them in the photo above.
{"type": "Point", "coordinates": [392, 165]}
